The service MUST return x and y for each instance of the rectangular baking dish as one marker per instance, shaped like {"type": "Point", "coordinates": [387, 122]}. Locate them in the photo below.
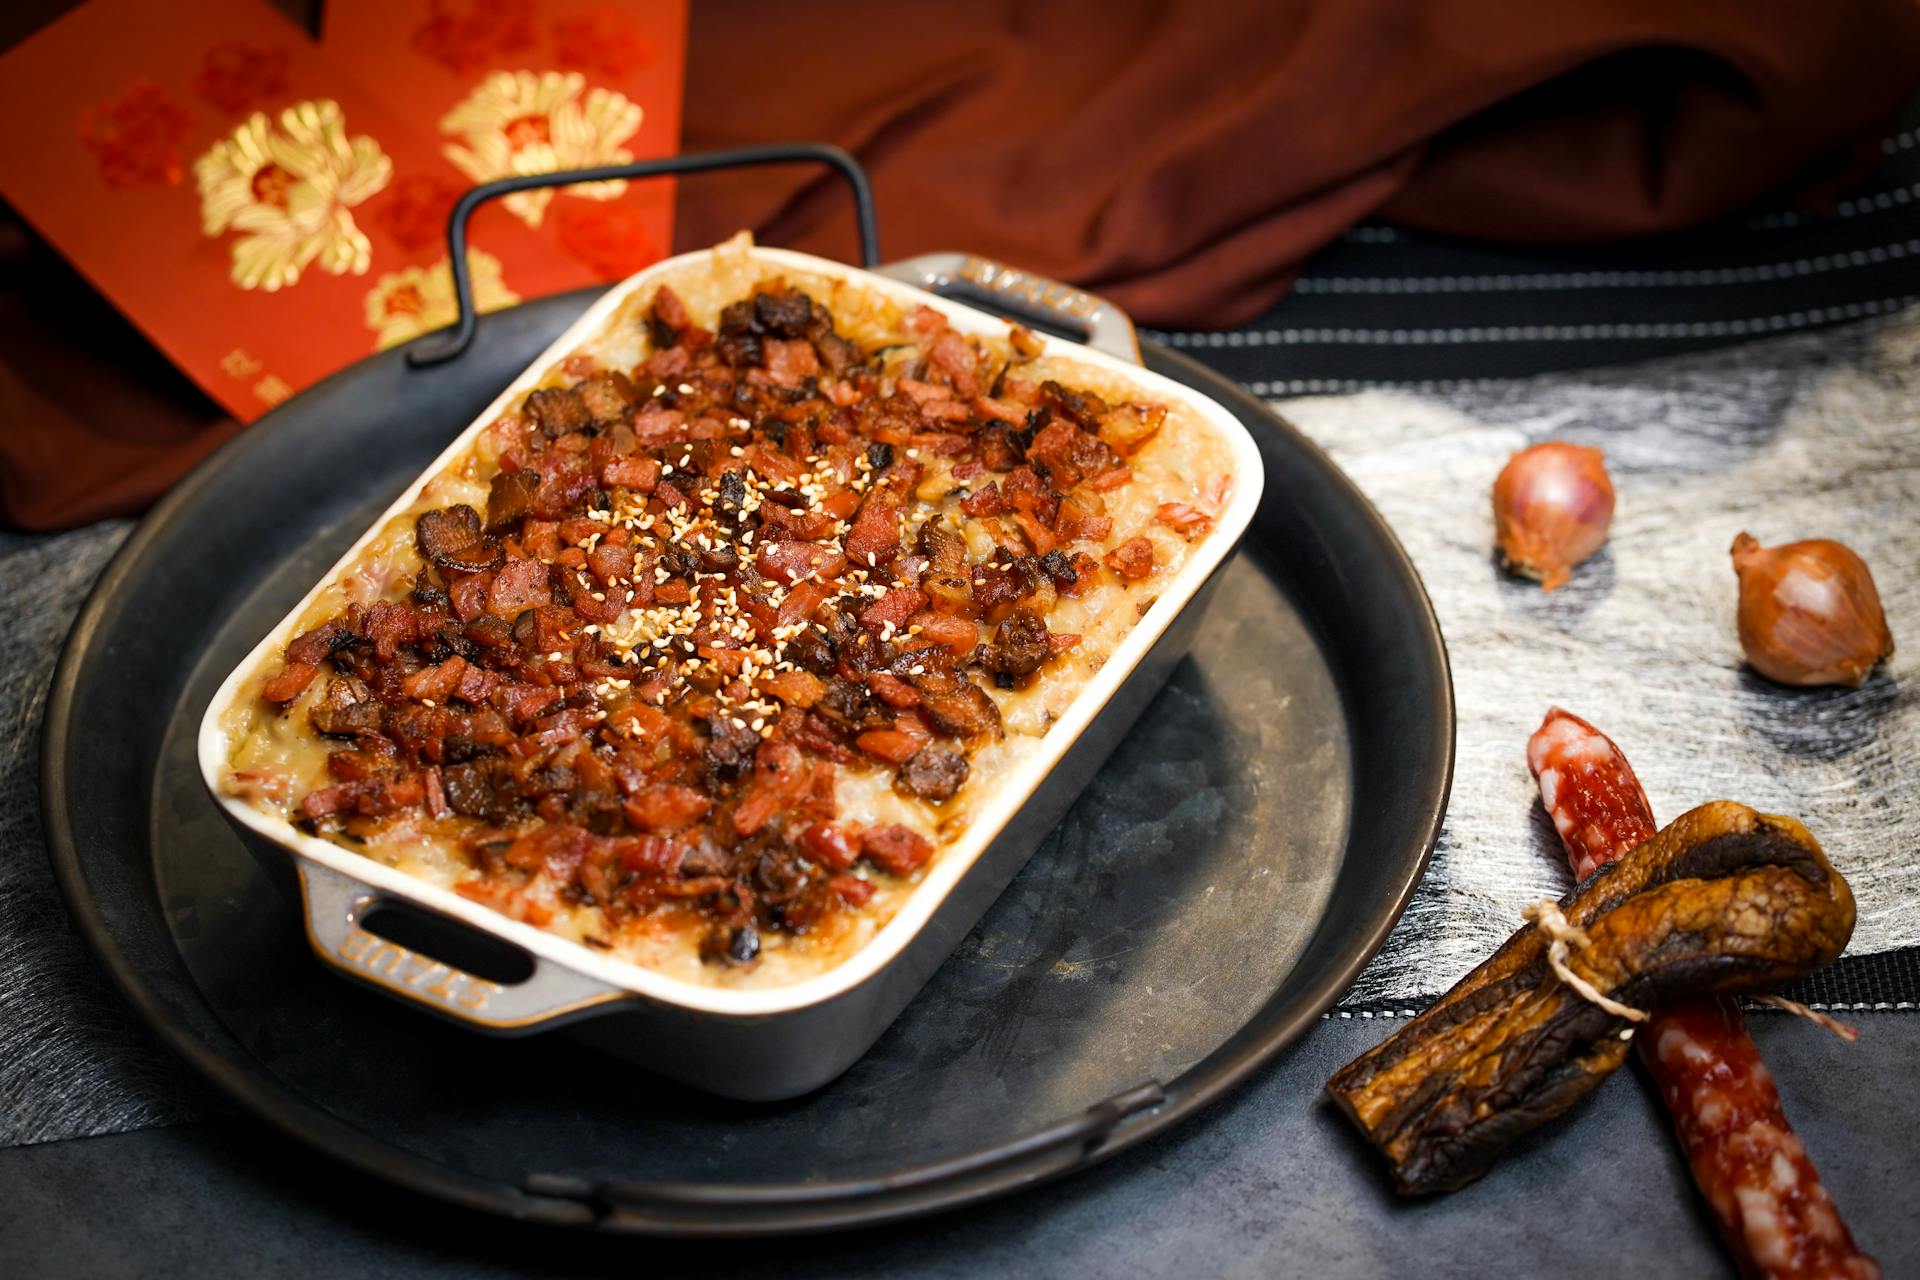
{"type": "Point", "coordinates": [776, 1042]}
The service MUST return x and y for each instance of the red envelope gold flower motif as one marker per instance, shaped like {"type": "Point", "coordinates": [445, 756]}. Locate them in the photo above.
{"type": "Point", "coordinates": [498, 77]}
{"type": "Point", "coordinates": [518, 122]}
{"type": "Point", "coordinates": [289, 186]}
{"type": "Point", "coordinates": [265, 218]}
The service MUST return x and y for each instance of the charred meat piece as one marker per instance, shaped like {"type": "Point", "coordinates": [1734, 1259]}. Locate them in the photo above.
{"type": "Point", "coordinates": [730, 504]}
{"type": "Point", "coordinates": [851, 705]}
{"type": "Point", "coordinates": [508, 499]}
{"type": "Point", "coordinates": [999, 584]}
{"type": "Point", "coordinates": [316, 646]}
{"type": "Point", "coordinates": [666, 319]}
{"type": "Point", "coordinates": [452, 538]}
{"type": "Point", "coordinates": [729, 750]}
{"type": "Point", "coordinates": [608, 398]}
{"type": "Point", "coordinates": [734, 945]}
{"type": "Point", "coordinates": [957, 707]}
{"type": "Point", "coordinates": [737, 344]}
{"type": "Point", "coordinates": [1020, 646]}
{"type": "Point", "coordinates": [836, 353]}
{"type": "Point", "coordinates": [1059, 568]}
{"type": "Point", "coordinates": [428, 594]}
{"type": "Point", "coordinates": [946, 551]}
{"type": "Point", "coordinates": [348, 707]}
{"type": "Point", "coordinates": [784, 315]}
{"type": "Point", "coordinates": [558, 410]}
{"type": "Point", "coordinates": [934, 773]}
{"type": "Point", "coordinates": [483, 788]}
{"type": "Point", "coordinates": [810, 651]}
{"type": "Point", "coordinates": [1085, 408]}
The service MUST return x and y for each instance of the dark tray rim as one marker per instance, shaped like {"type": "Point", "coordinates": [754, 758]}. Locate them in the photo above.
{"type": "Point", "coordinates": [1005, 1167]}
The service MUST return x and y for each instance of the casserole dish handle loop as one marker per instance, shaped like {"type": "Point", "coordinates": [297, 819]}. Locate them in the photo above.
{"type": "Point", "coordinates": [1022, 295]}
{"type": "Point", "coordinates": [443, 347]}
{"type": "Point", "coordinates": [336, 906]}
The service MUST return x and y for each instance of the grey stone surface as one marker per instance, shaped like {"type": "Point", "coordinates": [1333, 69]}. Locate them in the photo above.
{"type": "Point", "coordinates": [1269, 1184]}
{"type": "Point", "coordinates": [72, 1058]}
{"type": "Point", "coordinates": [1816, 435]}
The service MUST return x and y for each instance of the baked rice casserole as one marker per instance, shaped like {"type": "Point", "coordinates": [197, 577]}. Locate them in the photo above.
{"type": "Point", "coordinates": [702, 652]}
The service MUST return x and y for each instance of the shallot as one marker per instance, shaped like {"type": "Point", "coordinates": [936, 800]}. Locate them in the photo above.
{"type": "Point", "coordinates": [1809, 612]}
{"type": "Point", "coordinates": [1552, 508]}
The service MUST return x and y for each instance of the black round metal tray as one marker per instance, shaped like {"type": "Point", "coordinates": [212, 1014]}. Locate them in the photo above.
{"type": "Point", "coordinates": [1217, 887]}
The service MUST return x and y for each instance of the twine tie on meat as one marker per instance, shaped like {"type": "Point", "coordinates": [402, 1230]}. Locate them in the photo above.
{"type": "Point", "coordinates": [1818, 1019]}
{"type": "Point", "coordinates": [1550, 920]}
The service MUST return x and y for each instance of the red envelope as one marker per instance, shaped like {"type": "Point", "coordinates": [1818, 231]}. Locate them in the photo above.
{"type": "Point", "coordinates": [530, 86]}
{"type": "Point", "coordinates": [258, 214]}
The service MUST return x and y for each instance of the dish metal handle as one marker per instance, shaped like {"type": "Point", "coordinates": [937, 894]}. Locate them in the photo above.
{"type": "Point", "coordinates": [447, 346]}
{"type": "Point", "coordinates": [1023, 295]}
{"type": "Point", "coordinates": [336, 904]}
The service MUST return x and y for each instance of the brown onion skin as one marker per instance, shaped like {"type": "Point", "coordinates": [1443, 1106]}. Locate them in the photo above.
{"type": "Point", "coordinates": [1809, 612]}
{"type": "Point", "coordinates": [1552, 508]}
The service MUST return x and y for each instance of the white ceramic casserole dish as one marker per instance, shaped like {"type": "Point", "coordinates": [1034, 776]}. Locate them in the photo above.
{"type": "Point", "coordinates": [781, 1041]}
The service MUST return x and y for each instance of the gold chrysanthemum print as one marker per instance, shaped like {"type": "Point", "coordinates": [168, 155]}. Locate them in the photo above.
{"type": "Point", "coordinates": [517, 122]}
{"type": "Point", "coordinates": [405, 304]}
{"type": "Point", "coordinates": [288, 187]}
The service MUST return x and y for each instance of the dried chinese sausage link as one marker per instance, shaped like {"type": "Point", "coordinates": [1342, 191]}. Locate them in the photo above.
{"type": "Point", "coordinates": [1590, 791]}
{"type": "Point", "coordinates": [1776, 1217]}
{"type": "Point", "coordinates": [1723, 900]}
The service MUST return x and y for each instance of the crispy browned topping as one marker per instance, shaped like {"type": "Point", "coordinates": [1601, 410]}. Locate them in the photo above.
{"type": "Point", "coordinates": [695, 592]}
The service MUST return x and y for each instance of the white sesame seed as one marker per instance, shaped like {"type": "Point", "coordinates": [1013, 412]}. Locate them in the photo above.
{"type": "Point", "coordinates": [686, 389]}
